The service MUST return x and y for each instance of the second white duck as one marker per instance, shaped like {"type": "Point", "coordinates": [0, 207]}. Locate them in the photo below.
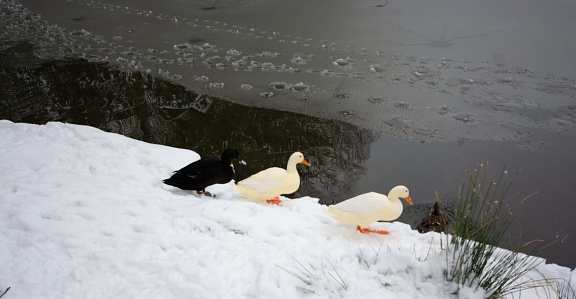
{"type": "Point", "coordinates": [269, 183]}
{"type": "Point", "coordinates": [366, 208]}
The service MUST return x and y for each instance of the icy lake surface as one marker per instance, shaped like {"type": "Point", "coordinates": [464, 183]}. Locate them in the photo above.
{"type": "Point", "coordinates": [481, 69]}
{"type": "Point", "coordinates": [451, 77]}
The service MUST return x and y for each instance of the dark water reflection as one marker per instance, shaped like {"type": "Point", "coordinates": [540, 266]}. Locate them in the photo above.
{"type": "Point", "coordinates": [153, 110]}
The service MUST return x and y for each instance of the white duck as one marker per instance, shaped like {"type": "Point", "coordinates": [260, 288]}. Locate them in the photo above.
{"type": "Point", "coordinates": [366, 208]}
{"type": "Point", "coordinates": [269, 183]}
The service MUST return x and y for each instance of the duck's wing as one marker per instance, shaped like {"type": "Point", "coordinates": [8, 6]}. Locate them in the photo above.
{"type": "Point", "coordinates": [200, 167]}
{"type": "Point", "coordinates": [200, 174]}
{"type": "Point", "coordinates": [265, 180]}
{"type": "Point", "coordinates": [362, 204]}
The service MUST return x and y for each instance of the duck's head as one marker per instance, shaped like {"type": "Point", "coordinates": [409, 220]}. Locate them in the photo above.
{"type": "Point", "coordinates": [400, 192]}
{"type": "Point", "coordinates": [298, 157]}
{"type": "Point", "coordinates": [229, 154]}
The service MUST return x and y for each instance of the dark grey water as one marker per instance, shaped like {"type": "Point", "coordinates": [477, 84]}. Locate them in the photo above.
{"type": "Point", "coordinates": [381, 93]}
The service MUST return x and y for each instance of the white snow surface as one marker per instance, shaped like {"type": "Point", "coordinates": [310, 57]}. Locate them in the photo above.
{"type": "Point", "coordinates": [84, 214]}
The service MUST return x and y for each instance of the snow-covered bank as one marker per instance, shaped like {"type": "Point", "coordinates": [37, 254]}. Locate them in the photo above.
{"type": "Point", "coordinates": [84, 214]}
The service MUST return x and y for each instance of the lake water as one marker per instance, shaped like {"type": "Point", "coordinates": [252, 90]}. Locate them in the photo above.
{"type": "Point", "coordinates": [376, 94]}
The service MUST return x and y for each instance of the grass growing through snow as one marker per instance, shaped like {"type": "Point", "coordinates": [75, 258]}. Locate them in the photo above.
{"type": "Point", "coordinates": [312, 275]}
{"type": "Point", "coordinates": [485, 212]}
{"type": "Point", "coordinates": [564, 288]}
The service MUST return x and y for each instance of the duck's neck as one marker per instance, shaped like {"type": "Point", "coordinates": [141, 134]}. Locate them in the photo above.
{"type": "Point", "coordinates": [291, 167]}
{"type": "Point", "coordinates": [225, 160]}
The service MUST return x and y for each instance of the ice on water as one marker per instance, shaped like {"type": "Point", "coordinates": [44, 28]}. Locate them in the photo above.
{"type": "Point", "coordinates": [226, 56]}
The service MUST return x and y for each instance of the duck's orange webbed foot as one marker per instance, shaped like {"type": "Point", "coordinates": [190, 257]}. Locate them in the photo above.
{"type": "Point", "coordinates": [368, 230]}
{"type": "Point", "coordinates": [274, 201]}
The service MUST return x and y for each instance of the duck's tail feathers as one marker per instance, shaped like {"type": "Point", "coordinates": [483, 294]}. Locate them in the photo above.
{"type": "Point", "coordinates": [179, 181]}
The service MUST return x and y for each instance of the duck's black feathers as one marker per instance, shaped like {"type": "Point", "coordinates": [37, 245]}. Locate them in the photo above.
{"type": "Point", "coordinates": [204, 172]}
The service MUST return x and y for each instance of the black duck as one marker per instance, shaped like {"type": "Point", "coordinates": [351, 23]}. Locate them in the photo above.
{"type": "Point", "coordinates": [205, 172]}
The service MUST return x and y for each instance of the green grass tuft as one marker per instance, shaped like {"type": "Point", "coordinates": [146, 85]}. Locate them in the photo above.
{"type": "Point", "coordinates": [485, 212]}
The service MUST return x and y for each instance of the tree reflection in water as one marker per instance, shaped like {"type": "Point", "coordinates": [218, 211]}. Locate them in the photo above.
{"type": "Point", "coordinates": [153, 110]}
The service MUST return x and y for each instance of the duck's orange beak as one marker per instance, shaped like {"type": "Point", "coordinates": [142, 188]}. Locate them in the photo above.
{"type": "Point", "coordinates": [305, 162]}
{"type": "Point", "coordinates": [408, 199]}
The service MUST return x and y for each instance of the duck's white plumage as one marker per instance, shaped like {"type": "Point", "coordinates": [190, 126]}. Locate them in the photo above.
{"type": "Point", "coordinates": [273, 181]}
{"type": "Point", "coordinates": [366, 208]}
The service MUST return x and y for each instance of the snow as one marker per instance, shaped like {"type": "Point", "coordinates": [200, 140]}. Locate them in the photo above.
{"type": "Point", "coordinates": [84, 214]}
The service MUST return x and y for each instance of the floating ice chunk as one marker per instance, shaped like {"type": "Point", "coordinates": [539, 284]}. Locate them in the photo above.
{"type": "Point", "coordinates": [463, 117]}
{"type": "Point", "coordinates": [300, 87]}
{"type": "Point", "coordinates": [186, 60]}
{"type": "Point", "coordinates": [202, 79]}
{"type": "Point", "coordinates": [287, 68]}
{"type": "Point", "coordinates": [375, 100]}
{"type": "Point", "coordinates": [267, 94]}
{"type": "Point", "coordinates": [328, 73]}
{"type": "Point", "coordinates": [207, 47]}
{"type": "Point", "coordinates": [239, 62]}
{"type": "Point", "coordinates": [216, 85]}
{"type": "Point", "coordinates": [444, 110]}
{"type": "Point", "coordinates": [117, 38]}
{"type": "Point", "coordinates": [376, 68]}
{"type": "Point", "coordinates": [268, 66]}
{"type": "Point", "coordinates": [342, 95]}
{"type": "Point", "coordinates": [268, 54]}
{"type": "Point", "coordinates": [402, 104]}
{"type": "Point", "coordinates": [163, 73]}
{"type": "Point", "coordinates": [182, 46]}
{"type": "Point", "coordinates": [246, 87]}
{"type": "Point", "coordinates": [233, 52]}
{"type": "Point", "coordinates": [214, 58]}
{"type": "Point", "coordinates": [298, 60]}
{"type": "Point", "coordinates": [279, 85]}
{"type": "Point", "coordinates": [341, 62]}
{"type": "Point", "coordinates": [134, 64]}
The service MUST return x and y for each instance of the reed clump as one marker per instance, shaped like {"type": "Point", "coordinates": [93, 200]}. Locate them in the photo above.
{"type": "Point", "coordinates": [485, 213]}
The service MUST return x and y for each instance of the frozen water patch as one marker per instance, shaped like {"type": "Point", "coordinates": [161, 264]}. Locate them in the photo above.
{"type": "Point", "coordinates": [223, 54]}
